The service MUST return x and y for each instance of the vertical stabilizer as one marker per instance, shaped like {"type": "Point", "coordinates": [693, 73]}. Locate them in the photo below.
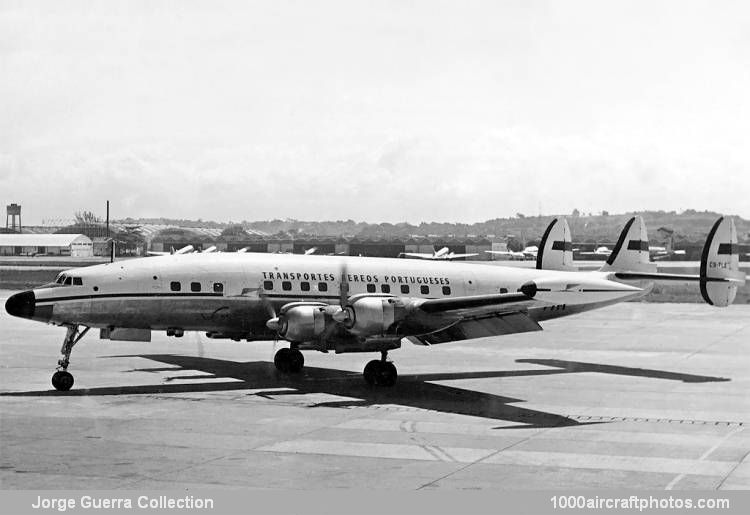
{"type": "Point", "coordinates": [719, 262]}
{"type": "Point", "coordinates": [556, 248]}
{"type": "Point", "coordinates": [631, 251]}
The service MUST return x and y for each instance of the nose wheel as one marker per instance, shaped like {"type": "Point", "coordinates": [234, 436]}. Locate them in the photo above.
{"type": "Point", "coordinates": [289, 361]}
{"type": "Point", "coordinates": [380, 372]}
{"type": "Point", "coordinates": [62, 380]}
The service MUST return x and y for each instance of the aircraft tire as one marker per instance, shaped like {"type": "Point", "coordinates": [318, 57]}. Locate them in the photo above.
{"type": "Point", "coordinates": [62, 380]}
{"type": "Point", "coordinates": [295, 361]}
{"type": "Point", "coordinates": [387, 374]}
{"type": "Point", "coordinates": [282, 359]}
{"type": "Point", "coordinates": [372, 371]}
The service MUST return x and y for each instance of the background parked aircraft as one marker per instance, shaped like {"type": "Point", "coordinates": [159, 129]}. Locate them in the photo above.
{"type": "Point", "coordinates": [527, 253]}
{"type": "Point", "coordinates": [184, 250]}
{"type": "Point", "coordinates": [663, 252]}
{"type": "Point", "coordinates": [600, 251]}
{"type": "Point", "coordinates": [443, 253]}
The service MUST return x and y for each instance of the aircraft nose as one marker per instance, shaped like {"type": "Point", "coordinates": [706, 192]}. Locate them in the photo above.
{"type": "Point", "coordinates": [21, 304]}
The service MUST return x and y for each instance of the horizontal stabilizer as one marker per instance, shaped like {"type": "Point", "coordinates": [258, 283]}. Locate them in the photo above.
{"type": "Point", "coordinates": [656, 276]}
{"type": "Point", "coordinates": [556, 247]}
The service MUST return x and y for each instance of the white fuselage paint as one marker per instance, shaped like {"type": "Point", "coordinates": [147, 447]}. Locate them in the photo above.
{"type": "Point", "coordinates": [138, 293]}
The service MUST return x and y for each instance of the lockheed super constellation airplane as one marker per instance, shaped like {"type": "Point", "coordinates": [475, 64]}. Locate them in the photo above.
{"type": "Point", "coordinates": [355, 304]}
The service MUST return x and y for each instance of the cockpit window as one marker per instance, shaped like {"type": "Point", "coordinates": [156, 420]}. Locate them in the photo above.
{"type": "Point", "coordinates": [68, 281]}
{"type": "Point", "coordinates": [77, 281]}
{"type": "Point", "coordinates": [60, 279]}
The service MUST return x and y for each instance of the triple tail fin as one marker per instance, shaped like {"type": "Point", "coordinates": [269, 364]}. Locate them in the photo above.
{"type": "Point", "coordinates": [556, 248]}
{"type": "Point", "coordinates": [720, 274]}
{"type": "Point", "coordinates": [631, 251]}
{"type": "Point", "coordinates": [720, 271]}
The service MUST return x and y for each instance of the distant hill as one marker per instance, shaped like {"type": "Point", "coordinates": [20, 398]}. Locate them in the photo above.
{"type": "Point", "coordinates": [688, 226]}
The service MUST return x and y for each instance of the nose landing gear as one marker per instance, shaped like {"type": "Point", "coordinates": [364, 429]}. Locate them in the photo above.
{"type": "Point", "coordinates": [62, 380]}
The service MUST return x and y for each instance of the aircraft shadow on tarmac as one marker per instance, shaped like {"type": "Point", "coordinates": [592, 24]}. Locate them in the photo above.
{"type": "Point", "coordinates": [417, 390]}
{"type": "Point", "coordinates": [577, 366]}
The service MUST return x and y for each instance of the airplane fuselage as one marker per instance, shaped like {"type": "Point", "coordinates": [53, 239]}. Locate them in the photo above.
{"type": "Point", "coordinates": [221, 293]}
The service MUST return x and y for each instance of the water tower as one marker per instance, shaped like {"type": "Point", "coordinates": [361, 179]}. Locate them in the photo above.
{"type": "Point", "coordinates": [13, 213]}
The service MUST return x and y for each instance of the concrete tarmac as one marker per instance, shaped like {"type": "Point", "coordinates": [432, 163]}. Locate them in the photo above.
{"type": "Point", "coordinates": [636, 395]}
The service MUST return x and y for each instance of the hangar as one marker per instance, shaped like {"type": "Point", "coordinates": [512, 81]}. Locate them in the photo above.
{"type": "Point", "coordinates": [74, 245]}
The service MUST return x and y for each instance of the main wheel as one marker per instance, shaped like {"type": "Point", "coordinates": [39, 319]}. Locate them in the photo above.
{"type": "Point", "coordinates": [62, 380]}
{"type": "Point", "coordinates": [296, 361]}
{"type": "Point", "coordinates": [371, 372]}
{"type": "Point", "coordinates": [387, 374]}
{"type": "Point", "coordinates": [282, 359]}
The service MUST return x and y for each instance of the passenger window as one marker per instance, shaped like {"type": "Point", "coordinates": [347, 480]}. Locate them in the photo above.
{"type": "Point", "coordinates": [175, 286]}
{"type": "Point", "coordinates": [286, 285]}
{"type": "Point", "coordinates": [77, 281]}
{"type": "Point", "coordinates": [218, 288]}
{"type": "Point", "coordinates": [305, 286]}
{"type": "Point", "coordinates": [322, 286]}
{"type": "Point", "coordinates": [424, 289]}
{"type": "Point", "coordinates": [404, 288]}
{"type": "Point", "coordinates": [446, 290]}
{"type": "Point", "coordinates": [268, 285]}
{"type": "Point", "coordinates": [370, 288]}
{"type": "Point", "coordinates": [195, 286]}
{"type": "Point", "coordinates": [385, 288]}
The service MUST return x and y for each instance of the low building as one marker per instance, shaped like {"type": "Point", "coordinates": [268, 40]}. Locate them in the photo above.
{"type": "Point", "coordinates": [74, 245]}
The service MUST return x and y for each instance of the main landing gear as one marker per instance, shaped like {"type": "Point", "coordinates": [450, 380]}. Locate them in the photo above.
{"type": "Point", "coordinates": [62, 380]}
{"type": "Point", "coordinates": [380, 372]}
{"type": "Point", "coordinates": [289, 360]}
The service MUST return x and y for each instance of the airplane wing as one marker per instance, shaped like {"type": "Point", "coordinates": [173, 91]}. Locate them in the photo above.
{"type": "Point", "coordinates": [458, 256]}
{"type": "Point", "coordinates": [470, 304]}
{"type": "Point", "coordinates": [479, 316]}
{"type": "Point", "coordinates": [481, 326]}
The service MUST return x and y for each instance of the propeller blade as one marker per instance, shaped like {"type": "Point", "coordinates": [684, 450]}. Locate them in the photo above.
{"type": "Point", "coordinates": [274, 324]}
{"type": "Point", "coordinates": [266, 303]}
{"type": "Point", "coordinates": [341, 316]}
{"type": "Point", "coordinates": [343, 286]}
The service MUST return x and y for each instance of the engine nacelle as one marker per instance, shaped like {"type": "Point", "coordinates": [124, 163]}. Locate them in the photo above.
{"type": "Point", "coordinates": [369, 316]}
{"type": "Point", "coordinates": [302, 322]}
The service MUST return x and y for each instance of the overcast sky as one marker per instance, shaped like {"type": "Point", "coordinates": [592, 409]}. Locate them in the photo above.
{"type": "Point", "coordinates": [376, 111]}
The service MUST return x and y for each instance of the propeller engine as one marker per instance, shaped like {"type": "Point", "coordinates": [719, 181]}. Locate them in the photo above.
{"type": "Point", "coordinates": [366, 315]}
{"type": "Point", "coordinates": [361, 315]}
{"type": "Point", "coordinates": [302, 321]}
